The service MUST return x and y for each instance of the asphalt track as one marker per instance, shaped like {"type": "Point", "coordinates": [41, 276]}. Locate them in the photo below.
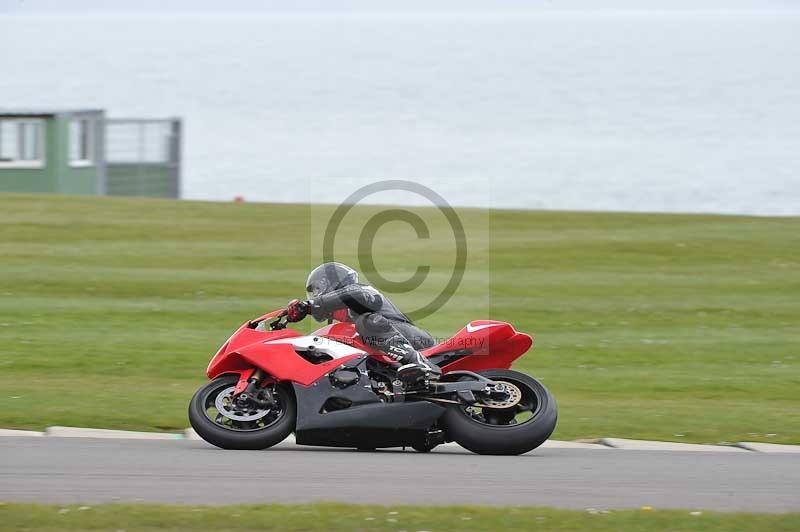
{"type": "Point", "coordinates": [71, 470]}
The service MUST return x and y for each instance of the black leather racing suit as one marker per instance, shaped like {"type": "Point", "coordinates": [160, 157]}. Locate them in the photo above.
{"type": "Point", "coordinates": [379, 323]}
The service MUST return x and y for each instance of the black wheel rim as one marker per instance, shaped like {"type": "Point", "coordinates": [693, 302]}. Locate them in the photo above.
{"type": "Point", "coordinates": [241, 419]}
{"type": "Point", "coordinates": [525, 411]}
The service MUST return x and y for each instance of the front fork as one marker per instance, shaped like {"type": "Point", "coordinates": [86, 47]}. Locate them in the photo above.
{"type": "Point", "coordinates": [250, 388]}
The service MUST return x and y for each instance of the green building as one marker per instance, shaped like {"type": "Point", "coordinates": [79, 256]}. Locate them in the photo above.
{"type": "Point", "coordinates": [83, 152]}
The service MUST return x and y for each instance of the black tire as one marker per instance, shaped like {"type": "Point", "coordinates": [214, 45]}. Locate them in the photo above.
{"type": "Point", "coordinates": [260, 438]}
{"type": "Point", "coordinates": [482, 438]}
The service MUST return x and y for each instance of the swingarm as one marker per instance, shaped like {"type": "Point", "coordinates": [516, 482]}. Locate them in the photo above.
{"type": "Point", "coordinates": [470, 389]}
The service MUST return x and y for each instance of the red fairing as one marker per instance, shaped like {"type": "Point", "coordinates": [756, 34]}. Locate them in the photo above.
{"type": "Point", "coordinates": [223, 362]}
{"type": "Point", "coordinates": [243, 377]}
{"type": "Point", "coordinates": [345, 332]}
{"type": "Point", "coordinates": [284, 364]}
{"type": "Point", "coordinates": [492, 344]}
{"type": "Point", "coordinates": [340, 315]}
{"type": "Point", "coordinates": [344, 329]}
{"type": "Point", "coordinates": [247, 349]}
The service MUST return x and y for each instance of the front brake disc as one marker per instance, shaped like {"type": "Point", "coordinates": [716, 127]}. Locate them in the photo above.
{"type": "Point", "coordinates": [226, 406]}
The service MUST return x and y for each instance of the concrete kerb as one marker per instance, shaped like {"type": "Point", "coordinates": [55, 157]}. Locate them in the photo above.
{"type": "Point", "coordinates": [82, 432]}
{"type": "Point", "coordinates": [649, 445]}
{"type": "Point", "coordinates": [14, 432]}
{"type": "Point", "coordinates": [769, 447]}
{"type": "Point", "coordinates": [600, 443]}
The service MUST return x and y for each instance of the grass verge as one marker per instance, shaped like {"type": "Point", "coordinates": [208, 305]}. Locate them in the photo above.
{"type": "Point", "coordinates": [327, 516]}
{"type": "Point", "coordinates": [675, 327]}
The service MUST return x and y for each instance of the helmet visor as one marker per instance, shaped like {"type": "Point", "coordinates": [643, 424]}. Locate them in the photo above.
{"type": "Point", "coordinates": [317, 288]}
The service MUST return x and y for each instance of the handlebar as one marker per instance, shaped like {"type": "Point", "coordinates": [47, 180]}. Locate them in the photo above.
{"type": "Point", "coordinates": [280, 323]}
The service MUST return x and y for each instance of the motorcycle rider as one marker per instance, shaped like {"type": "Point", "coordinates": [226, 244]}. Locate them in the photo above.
{"type": "Point", "coordinates": [334, 293]}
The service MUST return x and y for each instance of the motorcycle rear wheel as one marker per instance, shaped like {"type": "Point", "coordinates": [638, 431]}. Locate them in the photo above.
{"type": "Point", "coordinates": [244, 431]}
{"type": "Point", "coordinates": [509, 431]}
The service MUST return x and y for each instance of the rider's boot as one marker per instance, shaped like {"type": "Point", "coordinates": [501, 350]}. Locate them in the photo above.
{"type": "Point", "coordinates": [416, 367]}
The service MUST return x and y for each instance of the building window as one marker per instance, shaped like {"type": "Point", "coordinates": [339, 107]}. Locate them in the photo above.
{"type": "Point", "coordinates": [81, 142]}
{"type": "Point", "coordinates": [21, 143]}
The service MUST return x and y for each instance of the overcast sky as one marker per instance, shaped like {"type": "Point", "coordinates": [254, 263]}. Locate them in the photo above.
{"type": "Point", "coordinates": [82, 6]}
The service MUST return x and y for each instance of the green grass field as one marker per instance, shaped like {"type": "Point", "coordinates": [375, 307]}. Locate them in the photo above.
{"type": "Point", "coordinates": [350, 517]}
{"type": "Point", "coordinates": [673, 327]}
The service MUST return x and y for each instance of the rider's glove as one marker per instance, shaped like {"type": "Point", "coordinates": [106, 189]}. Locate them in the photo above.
{"type": "Point", "coordinates": [296, 310]}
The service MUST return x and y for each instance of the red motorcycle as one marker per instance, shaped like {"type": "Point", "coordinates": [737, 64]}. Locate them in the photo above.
{"type": "Point", "coordinates": [331, 389]}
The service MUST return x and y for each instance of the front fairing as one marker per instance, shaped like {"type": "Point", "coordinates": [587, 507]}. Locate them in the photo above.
{"type": "Point", "coordinates": [244, 336]}
{"type": "Point", "coordinates": [276, 353]}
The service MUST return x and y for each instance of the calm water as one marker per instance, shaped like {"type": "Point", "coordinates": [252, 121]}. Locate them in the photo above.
{"type": "Point", "coordinates": [678, 111]}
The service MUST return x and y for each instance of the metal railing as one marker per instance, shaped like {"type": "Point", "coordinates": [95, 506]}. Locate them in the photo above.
{"type": "Point", "coordinates": [142, 157]}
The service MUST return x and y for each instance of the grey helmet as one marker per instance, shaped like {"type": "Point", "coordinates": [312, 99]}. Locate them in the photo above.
{"type": "Point", "coordinates": [329, 277]}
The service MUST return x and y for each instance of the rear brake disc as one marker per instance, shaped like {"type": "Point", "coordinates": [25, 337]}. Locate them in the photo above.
{"type": "Point", "coordinates": [512, 396]}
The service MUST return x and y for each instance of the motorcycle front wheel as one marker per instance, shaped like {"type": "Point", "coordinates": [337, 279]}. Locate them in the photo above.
{"type": "Point", "coordinates": [220, 421]}
{"type": "Point", "coordinates": [515, 430]}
